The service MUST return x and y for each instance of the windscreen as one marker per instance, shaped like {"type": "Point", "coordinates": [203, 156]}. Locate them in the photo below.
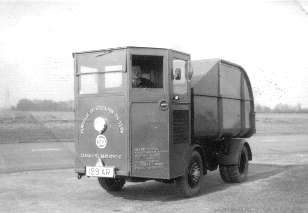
{"type": "Point", "coordinates": [101, 72]}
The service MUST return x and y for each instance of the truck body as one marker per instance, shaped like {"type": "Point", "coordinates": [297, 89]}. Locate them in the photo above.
{"type": "Point", "coordinates": [149, 113]}
{"type": "Point", "coordinates": [222, 100]}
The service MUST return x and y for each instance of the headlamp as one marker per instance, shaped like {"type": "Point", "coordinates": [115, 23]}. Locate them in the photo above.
{"type": "Point", "coordinates": [100, 124]}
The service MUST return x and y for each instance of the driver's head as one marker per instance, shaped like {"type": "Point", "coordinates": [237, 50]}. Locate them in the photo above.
{"type": "Point", "coordinates": [136, 72]}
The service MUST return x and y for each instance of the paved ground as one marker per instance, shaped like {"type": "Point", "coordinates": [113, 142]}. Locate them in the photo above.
{"type": "Point", "coordinates": [36, 156]}
{"type": "Point", "coordinates": [277, 182]}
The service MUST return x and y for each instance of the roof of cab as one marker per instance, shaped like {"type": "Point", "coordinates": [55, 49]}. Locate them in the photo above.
{"type": "Point", "coordinates": [127, 47]}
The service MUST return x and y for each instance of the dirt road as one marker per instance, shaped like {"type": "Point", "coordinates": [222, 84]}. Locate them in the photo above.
{"type": "Point", "coordinates": [277, 182]}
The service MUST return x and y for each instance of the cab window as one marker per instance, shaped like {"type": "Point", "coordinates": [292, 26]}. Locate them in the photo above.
{"type": "Point", "coordinates": [179, 77]}
{"type": "Point", "coordinates": [91, 81]}
{"type": "Point", "coordinates": [147, 71]}
{"type": "Point", "coordinates": [101, 72]}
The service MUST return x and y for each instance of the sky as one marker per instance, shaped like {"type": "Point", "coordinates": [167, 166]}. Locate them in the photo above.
{"type": "Point", "coordinates": [268, 38]}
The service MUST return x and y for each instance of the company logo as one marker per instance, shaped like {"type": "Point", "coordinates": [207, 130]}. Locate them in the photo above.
{"type": "Point", "coordinates": [101, 122]}
{"type": "Point", "coordinates": [101, 141]}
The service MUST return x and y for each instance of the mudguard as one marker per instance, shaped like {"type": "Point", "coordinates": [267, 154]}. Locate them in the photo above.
{"type": "Point", "coordinates": [230, 151]}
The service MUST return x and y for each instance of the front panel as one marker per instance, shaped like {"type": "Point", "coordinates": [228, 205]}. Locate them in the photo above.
{"type": "Point", "coordinates": [113, 148]}
{"type": "Point", "coordinates": [101, 115]}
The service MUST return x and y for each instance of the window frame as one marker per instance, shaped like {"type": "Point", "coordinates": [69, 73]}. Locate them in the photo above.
{"type": "Point", "coordinates": [185, 96]}
{"type": "Point", "coordinates": [162, 72]}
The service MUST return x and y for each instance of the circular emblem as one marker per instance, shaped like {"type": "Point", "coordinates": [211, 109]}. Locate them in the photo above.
{"type": "Point", "coordinates": [101, 141]}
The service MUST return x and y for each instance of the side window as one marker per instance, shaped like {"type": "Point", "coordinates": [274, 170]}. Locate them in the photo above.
{"type": "Point", "coordinates": [88, 84]}
{"type": "Point", "coordinates": [147, 71]}
{"type": "Point", "coordinates": [179, 81]}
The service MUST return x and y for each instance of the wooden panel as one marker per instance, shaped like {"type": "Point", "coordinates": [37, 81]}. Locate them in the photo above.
{"type": "Point", "coordinates": [205, 116]}
{"type": "Point", "coordinates": [231, 114]}
{"type": "Point", "coordinates": [208, 83]}
{"type": "Point", "coordinates": [246, 91]}
{"type": "Point", "coordinates": [114, 111]}
{"type": "Point", "coordinates": [230, 81]}
{"type": "Point", "coordinates": [247, 114]}
{"type": "Point", "coordinates": [150, 140]}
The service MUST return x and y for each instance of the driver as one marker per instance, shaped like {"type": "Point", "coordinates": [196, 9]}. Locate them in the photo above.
{"type": "Point", "coordinates": [139, 81]}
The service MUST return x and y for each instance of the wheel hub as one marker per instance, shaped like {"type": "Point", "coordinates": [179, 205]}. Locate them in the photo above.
{"type": "Point", "coordinates": [194, 174]}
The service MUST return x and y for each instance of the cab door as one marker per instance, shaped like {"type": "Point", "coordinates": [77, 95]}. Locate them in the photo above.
{"type": "Point", "coordinates": [149, 112]}
{"type": "Point", "coordinates": [180, 112]}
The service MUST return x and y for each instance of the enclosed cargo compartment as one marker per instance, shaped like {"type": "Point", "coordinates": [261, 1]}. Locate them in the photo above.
{"type": "Point", "coordinates": [222, 100]}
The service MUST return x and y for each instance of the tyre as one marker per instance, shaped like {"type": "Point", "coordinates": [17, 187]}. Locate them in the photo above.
{"type": "Point", "coordinates": [111, 184]}
{"type": "Point", "coordinates": [190, 183]}
{"type": "Point", "coordinates": [236, 173]}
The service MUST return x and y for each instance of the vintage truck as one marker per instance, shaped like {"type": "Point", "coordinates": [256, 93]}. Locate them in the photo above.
{"type": "Point", "coordinates": [153, 114]}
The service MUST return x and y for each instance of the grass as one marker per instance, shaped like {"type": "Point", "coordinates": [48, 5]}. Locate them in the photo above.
{"type": "Point", "coordinates": [24, 126]}
{"type": "Point", "coordinates": [281, 123]}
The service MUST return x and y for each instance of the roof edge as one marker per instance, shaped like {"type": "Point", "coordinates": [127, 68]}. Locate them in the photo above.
{"type": "Point", "coordinates": [126, 47]}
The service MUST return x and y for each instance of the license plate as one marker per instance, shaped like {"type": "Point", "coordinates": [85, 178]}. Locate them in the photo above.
{"type": "Point", "coordinates": [99, 171]}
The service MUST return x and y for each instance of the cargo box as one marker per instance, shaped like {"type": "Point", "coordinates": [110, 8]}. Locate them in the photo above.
{"type": "Point", "coordinates": [222, 99]}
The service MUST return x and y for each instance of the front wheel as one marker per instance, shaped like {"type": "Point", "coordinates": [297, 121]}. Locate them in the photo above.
{"type": "Point", "coordinates": [190, 183]}
{"type": "Point", "coordinates": [236, 173]}
{"type": "Point", "coordinates": [111, 184]}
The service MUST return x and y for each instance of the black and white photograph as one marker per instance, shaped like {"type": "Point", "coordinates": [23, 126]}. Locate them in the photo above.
{"type": "Point", "coordinates": [154, 106]}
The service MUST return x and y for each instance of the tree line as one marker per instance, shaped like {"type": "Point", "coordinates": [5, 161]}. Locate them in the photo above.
{"type": "Point", "coordinates": [281, 108]}
{"type": "Point", "coordinates": [43, 105]}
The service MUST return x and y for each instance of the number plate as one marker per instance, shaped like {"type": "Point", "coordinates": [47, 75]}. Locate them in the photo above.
{"type": "Point", "coordinates": [99, 171]}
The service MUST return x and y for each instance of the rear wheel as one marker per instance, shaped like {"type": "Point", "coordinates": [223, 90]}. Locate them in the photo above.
{"type": "Point", "coordinates": [236, 173]}
{"type": "Point", "coordinates": [190, 184]}
{"type": "Point", "coordinates": [111, 184]}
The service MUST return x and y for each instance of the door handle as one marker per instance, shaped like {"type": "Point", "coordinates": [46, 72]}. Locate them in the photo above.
{"type": "Point", "coordinates": [163, 105]}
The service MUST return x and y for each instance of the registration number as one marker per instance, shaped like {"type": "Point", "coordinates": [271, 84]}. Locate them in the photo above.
{"type": "Point", "coordinates": [99, 171]}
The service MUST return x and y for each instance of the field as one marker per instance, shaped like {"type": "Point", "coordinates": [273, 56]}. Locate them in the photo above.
{"type": "Point", "coordinates": [26, 126]}
{"type": "Point", "coordinates": [281, 123]}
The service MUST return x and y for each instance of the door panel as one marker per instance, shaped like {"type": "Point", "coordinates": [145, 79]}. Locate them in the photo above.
{"type": "Point", "coordinates": [149, 113]}
{"type": "Point", "coordinates": [149, 140]}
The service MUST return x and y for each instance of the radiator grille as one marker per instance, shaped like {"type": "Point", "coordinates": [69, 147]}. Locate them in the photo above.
{"type": "Point", "coordinates": [180, 126]}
